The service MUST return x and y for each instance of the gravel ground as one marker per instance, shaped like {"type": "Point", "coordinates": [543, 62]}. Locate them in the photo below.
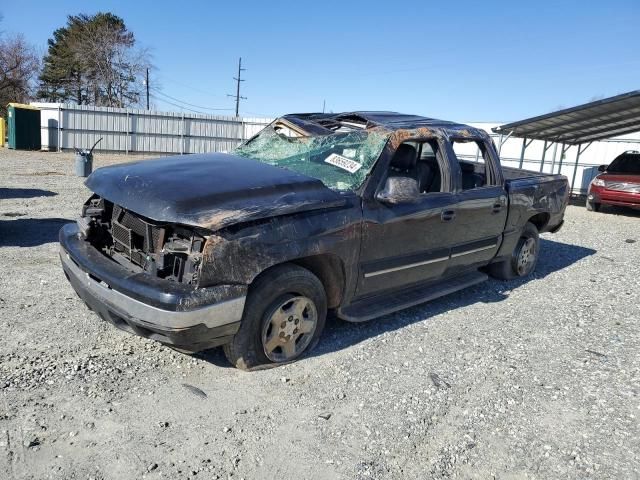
{"type": "Point", "coordinates": [522, 379]}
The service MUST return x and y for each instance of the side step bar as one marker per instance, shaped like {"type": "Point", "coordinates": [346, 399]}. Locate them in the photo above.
{"type": "Point", "coordinates": [372, 307]}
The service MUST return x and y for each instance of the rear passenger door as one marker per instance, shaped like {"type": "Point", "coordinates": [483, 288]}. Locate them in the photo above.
{"type": "Point", "coordinates": [481, 209]}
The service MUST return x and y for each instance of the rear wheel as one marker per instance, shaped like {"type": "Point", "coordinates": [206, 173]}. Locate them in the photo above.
{"type": "Point", "coordinates": [593, 206]}
{"type": "Point", "coordinates": [524, 258]}
{"type": "Point", "coordinates": [283, 318]}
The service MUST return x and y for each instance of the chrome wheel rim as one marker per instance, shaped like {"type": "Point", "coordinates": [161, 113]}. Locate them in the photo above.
{"type": "Point", "coordinates": [289, 328]}
{"type": "Point", "coordinates": [526, 257]}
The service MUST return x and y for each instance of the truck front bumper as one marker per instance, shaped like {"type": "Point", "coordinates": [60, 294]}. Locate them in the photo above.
{"type": "Point", "coordinates": [171, 313]}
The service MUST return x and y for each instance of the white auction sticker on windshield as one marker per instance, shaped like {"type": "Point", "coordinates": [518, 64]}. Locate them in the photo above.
{"type": "Point", "coordinates": [343, 162]}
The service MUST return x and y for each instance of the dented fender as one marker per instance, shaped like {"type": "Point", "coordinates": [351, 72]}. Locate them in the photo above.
{"type": "Point", "coordinates": [238, 254]}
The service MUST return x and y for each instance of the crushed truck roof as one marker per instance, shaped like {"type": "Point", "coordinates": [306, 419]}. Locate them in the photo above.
{"type": "Point", "coordinates": [392, 120]}
{"type": "Point", "coordinates": [326, 123]}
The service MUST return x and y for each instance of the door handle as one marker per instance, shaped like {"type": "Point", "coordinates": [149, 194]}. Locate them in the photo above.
{"type": "Point", "coordinates": [496, 207]}
{"type": "Point", "coordinates": [448, 215]}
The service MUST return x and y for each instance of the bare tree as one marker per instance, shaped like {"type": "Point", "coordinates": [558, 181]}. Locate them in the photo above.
{"type": "Point", "coordinates": [19, 67]}
{"type": "Point", "coordinates": [113, 64]}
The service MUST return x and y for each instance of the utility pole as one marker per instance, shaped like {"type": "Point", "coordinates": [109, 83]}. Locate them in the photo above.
{"type": "Point", "coordinates": [238, 79]}
{"type": "Point", "coordinates": [147, 83]}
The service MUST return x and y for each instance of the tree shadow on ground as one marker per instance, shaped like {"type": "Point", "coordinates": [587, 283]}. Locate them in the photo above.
{"type": "Point", "coordinates": [340, 334]}
{"type": "Point", "coordinates": [30, 232]}
{"type": "Point", "coordinates": [7, 193]}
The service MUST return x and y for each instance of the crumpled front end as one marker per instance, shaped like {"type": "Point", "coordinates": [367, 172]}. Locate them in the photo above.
{"type": "Point", "coordinates": [166, 251]}
{"type": "Point", "coordinates": [143, 277]}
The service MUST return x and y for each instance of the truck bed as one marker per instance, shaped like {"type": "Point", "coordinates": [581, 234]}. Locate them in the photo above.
{"type": "Point", "coordinates": [518, 178]}
{"type": "Point", "coordinates": [535, 191]}
{"type": "Point", "coordinates": [511, 173]}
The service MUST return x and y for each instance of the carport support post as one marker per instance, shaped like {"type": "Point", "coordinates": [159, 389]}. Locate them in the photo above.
{"type": "Point", "coordinates": [553, 160]}
{"type": "Point", "coordinates": [544, 152]}
{"type": "Point", "coordinates": [562, 152]}
{"type": "Point", "coordinates": [575, 166]}
{"type": "Point", "coordinates": [502, 141]}
{"type": "Point", "coordinates": [524, 147]}
{"type": "Point", "coordinates": [525, 144]}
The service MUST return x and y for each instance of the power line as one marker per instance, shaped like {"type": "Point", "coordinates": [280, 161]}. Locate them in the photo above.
{"type": "Point", "coordinates": [176, 105]}
{"type": "Point", "coordinates": [186, 103]}
{"type": "Point", "coordinates": [257, 114]}
{"type": "Point", "coordinates": [238, 79]}
{"type": "Point", "coordinates": [189, 87]}
{"type": "Point", "coordinates": [181, 106]}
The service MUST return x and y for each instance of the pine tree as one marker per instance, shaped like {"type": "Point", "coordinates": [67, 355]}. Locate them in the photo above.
{"type": "Point", "coordinates": [93, 60]}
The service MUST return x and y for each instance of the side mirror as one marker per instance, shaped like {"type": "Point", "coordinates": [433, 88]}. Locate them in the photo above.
{"type": "Point", "coordinates": [399, 190]}
{"type": "Point", "coordinates": [602, 168]}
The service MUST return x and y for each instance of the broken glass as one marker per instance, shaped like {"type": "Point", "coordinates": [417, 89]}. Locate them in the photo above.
{"type": "Point", "coordinates": [339, 160]}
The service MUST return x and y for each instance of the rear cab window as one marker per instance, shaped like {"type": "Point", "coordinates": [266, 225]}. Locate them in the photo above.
{"type": "Point", "coordinates": [477, 168]}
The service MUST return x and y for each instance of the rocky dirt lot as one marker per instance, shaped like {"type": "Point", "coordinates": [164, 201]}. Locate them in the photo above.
{"type": "Point", "coordinates": [524, 379]}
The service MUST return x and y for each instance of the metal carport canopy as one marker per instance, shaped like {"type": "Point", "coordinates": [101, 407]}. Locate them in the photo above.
{"type": "Point", "coordinates": [606, 118]}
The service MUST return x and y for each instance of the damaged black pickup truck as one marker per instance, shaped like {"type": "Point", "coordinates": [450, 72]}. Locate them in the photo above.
{"type": "Point", "coordinates": [360, 213]}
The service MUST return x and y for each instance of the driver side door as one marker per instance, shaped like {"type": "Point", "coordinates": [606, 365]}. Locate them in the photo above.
{"type": "Point", "coordinates": [407, 243]}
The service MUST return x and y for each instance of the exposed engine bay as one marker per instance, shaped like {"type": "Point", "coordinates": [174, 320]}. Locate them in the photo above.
{"type": "Point", "coordinates": [167, 251]}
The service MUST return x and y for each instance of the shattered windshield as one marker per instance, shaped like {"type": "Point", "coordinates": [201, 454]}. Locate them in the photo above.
{"type": "Point", "coordinates": [340, 160]}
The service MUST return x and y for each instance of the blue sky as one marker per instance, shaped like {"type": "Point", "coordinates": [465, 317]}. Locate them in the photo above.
{"type": "Point", "coordinates": [464, 60]}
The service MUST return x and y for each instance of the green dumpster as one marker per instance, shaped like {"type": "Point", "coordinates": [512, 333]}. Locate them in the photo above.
{"type": "Point", "coordinates": [24, 127]}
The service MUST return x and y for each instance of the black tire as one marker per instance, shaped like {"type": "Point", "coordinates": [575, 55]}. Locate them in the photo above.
{"type": "Point", "coordinates": [593, 206]}
{"type": "Point", "coordinates": [511, 268]}
{"type": "Point", "coordinates": [267, 296]}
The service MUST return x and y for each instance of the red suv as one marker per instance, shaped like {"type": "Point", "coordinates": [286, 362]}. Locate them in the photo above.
{"type": "Point", "coordinates": [618, 184]}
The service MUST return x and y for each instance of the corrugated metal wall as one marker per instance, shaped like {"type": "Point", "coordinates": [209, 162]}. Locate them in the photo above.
{"type": "Point", "coordinates": [131, 130]}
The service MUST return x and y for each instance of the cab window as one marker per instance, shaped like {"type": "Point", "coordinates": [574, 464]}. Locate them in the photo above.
{"type": "Point", "coordinates": [421, 161]}
{"type": "Point", "coordinates": [474, 163]}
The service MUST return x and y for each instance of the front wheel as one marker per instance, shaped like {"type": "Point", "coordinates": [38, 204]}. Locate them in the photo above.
{"type": "Point", "coordinates": [593, 206]}
{"type": "Point", "coordinates": [283, 318]}
{"type": "Point", "coordinates": [524, 258]}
